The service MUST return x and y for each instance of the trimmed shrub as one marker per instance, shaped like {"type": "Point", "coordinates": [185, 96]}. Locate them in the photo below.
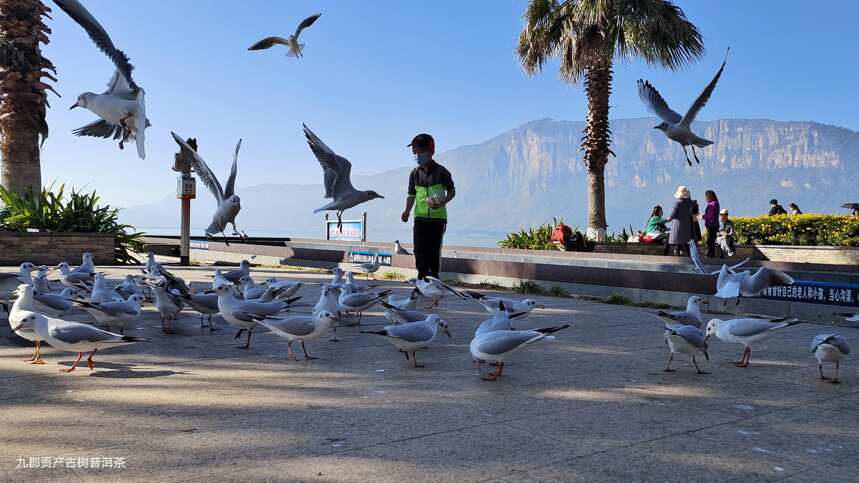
{"type": "Point", "coordinates": [539, 238]}
{"type": "Point", "coordinates": [803, 230]}
{"type": "Point", "coordinates": [75, 212]}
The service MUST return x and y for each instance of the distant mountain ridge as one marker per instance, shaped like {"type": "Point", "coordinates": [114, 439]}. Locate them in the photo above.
{"type": "Point", "coordinates": [534, 172]}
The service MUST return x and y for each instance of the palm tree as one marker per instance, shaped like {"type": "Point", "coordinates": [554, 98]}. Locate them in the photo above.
{"type": "Point", "coordinates": [22, 93]}
{"type": "Point", "coordinates": [586, 36]}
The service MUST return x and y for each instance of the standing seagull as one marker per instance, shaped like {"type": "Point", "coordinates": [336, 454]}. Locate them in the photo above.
{"type": "Point", "coordinates": [229, 203]}
{"type": "Point", "coordinates": [295, 49]}
{"type": "Point", "coordinates": [676, 127]}
{"type": "Point", "coordinates": [411, 336]}
{"type": "Point", "coordinates": [497, 345]}
{"type": "Point", "coordinates": [399, 250]}
{"type": "Point", "coordinates": [690, 316]}
{"type": "Point", "coordinates": [688, 340]}
{"type": "Point", "coordinates": [369, 268]}
{"type": "Point", "coordinates": [336, 171]}
{"type": "Point", "coordinates": [121, 107]}
{"type": "Point", "coordinates": [746, 332]}
{"type": "Point", "coordinates": [829, 348]}
{"type": "Point", "coordinates": [434, 289]}
{"type": "Point", "coordinates": [299, 327]}
{"type": "Point", "coordinates": [75, 337]}
{"type": "Point", "coordinates": [511, 306]}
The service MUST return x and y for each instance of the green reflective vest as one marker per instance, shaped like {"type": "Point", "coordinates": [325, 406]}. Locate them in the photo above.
{"type": "Point", "coordinates": [434, 182]}
{"type": "Point", "coordinates": [422, 209]}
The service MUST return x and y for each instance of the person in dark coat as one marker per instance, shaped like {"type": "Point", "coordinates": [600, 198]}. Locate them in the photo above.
{"type": "Point", "coordinates": [775, 208]}
{"type": "Point", "coordinates": [681, 221]}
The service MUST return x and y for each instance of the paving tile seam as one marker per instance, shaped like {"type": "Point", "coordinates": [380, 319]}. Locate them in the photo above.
{"type": "Point", "coordinates": [435, 433]}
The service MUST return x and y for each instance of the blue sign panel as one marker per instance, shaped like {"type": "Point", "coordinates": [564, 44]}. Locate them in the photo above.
{"type": "Point", "coordinates": [351, 230]}
{"type": "Point", "coordinates": [812, 292]}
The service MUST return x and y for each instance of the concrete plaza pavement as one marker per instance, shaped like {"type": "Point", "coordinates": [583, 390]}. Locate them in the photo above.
{"type": "Point", "coordinates": [594, 405]}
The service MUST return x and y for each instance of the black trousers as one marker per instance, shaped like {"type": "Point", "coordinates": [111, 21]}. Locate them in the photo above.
{"type": "Point", "coordinates": [428, 237]}
{"type": "Point", "coordinates": [712, 231]}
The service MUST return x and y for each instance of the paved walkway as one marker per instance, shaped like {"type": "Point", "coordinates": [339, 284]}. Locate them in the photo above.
{"type": "Point", "coordinates": [592, 406]}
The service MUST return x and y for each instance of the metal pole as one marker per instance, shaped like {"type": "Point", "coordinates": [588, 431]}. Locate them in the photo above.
{"type": "Point", "coordinates": [185, 221]}
{"type": "Point", "coordinates": [364, 227]}
{"type": "Point", "coordinates": [186, 190]}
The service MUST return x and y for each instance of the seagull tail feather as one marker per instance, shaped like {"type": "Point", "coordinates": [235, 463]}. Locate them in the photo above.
{"type": "Point", "coordinates": [131, 338]}
{"type": "Point", "coordinates": [551, 330]}
{"type": "Point", "coordinates": [375, 332]}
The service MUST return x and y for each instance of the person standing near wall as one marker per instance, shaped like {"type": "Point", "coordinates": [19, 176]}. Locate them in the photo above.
{"type": "Point", "coordinates": [711, 221]}
{"type": "Point", "coordinates": [430, 190]}
{"type": "Point", "coordinates": [681, 221]}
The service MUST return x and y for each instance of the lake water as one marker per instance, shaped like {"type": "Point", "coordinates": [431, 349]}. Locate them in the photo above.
{"type": "Point", "coordinates": [452, 237]}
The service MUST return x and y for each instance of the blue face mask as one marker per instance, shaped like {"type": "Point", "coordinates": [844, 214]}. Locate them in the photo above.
{"type": "Point", "coordinates": [423, 158]}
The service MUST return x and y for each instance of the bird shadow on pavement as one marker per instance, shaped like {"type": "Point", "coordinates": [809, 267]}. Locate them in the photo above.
{"type": "Point", "coordinates": [120, 371]}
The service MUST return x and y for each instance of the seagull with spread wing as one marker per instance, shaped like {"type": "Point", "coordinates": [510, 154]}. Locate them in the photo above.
{"type": "Point", "coordinates": [853, 207]}
{"type": "Point", "coordinates": [121, 107]}
{"type": "Point", "coordinates": [295, 49]}
{"type": "Point", "coordinates": [229, 203]}
{"type": "Point", "coordinates": [336, 171]}
{"type": "Point", "coordinates": [676, 127]}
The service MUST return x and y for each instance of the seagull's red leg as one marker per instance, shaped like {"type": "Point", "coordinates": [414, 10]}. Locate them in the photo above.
{"type": "Point", "coordinates": [89, 361]}
{"type": "Point", "coordinates": [70, 369]}
{"type": "Point", "coordinates": [668, 367]}
{"type": "Point", "coordinates": [307, 357]}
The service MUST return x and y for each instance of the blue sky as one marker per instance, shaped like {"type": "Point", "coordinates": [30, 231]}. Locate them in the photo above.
{"type": "Point", "coordinates": [377, 72]}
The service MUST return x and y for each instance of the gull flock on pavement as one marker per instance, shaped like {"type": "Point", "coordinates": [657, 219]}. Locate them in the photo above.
{"type": "Point", "coordinates": [341, 301]}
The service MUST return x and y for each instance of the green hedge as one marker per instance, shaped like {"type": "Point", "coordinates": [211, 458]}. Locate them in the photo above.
{"type": "Point", "coordinates": [805, 230]}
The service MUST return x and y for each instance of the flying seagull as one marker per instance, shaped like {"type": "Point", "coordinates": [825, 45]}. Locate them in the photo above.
{"type": "Point", "coordinates": [676, 127]}
{"type": "Point", "coordinates": [336, 171]}
{"type": "Point", "coordinates": [295, 49]}
{"type": "Point", "coordinates": [121, 107]}
{"type": "Point", "coordinates": [229, 204]}
{"type": "Point", "coordinates": [731, 284]}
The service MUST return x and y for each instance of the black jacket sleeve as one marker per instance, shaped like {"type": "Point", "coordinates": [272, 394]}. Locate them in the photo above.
{"type": "Point", "coordinates": [412, 191]}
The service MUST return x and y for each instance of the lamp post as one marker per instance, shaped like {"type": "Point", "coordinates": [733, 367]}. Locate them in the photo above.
{"type": "Point", "coordinates": [186, 190]}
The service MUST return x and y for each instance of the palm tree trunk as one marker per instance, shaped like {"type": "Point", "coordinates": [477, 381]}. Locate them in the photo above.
{"type": "Point", "coordinates": [596, 143]}
{"type": "Point", "coordinates": [20, 169]}
{"type": "Point", "coordinates": [23, 105]}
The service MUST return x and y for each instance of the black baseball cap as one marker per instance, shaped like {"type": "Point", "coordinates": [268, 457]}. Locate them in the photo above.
{"type": "Point", "coordinates": [422, 141]}
{"type": "Point", "coordinates": [773, 201]}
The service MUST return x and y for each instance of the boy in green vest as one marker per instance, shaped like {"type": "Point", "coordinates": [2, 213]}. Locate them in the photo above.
{"type": "Point", "coordinates": [430, 189]}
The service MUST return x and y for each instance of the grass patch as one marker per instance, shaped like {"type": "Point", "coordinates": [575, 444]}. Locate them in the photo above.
{"type": "Point", "coordinates": [477, 286]}
{"type": "Point", "coordinates": [618, 299]}
{"type": "Point", "coordinates": [393, 276]}
{"type": "Point", "coordinates": [529, 287]}
{"type": "Point", "coordinates": [652, 305]}
{"type": "Point", "coordinates": [556, 291]}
